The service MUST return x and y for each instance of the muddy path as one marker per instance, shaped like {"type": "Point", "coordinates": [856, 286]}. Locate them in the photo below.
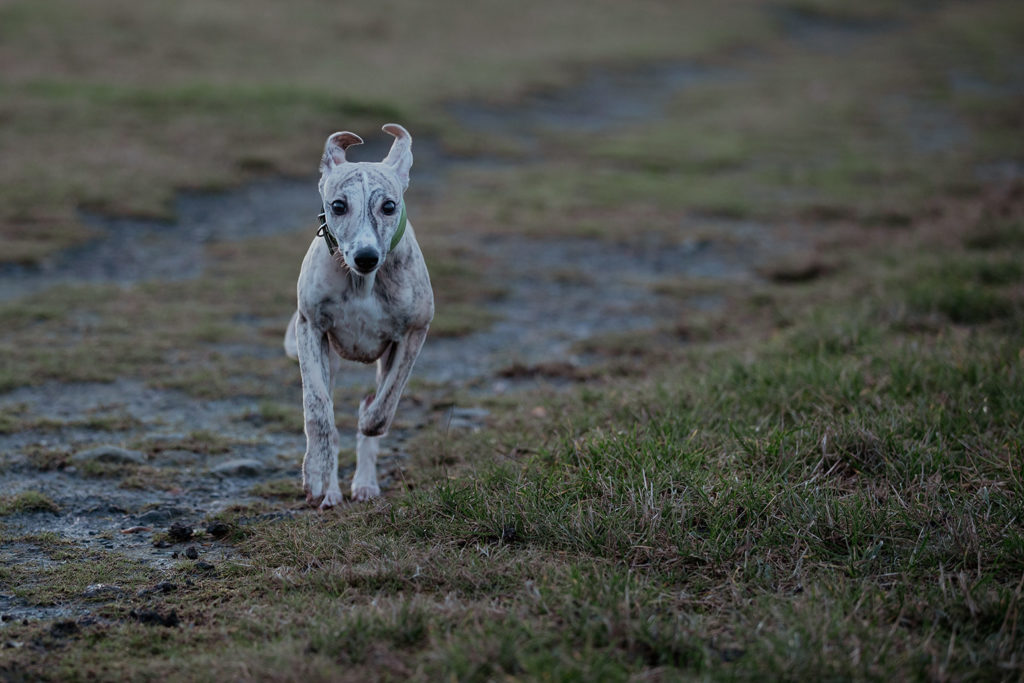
{"type": "Point", "coordinates": [194, 458]}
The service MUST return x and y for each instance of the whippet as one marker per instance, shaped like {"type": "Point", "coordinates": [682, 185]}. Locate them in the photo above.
{"type": "Point", "coordinates": [364, 295]}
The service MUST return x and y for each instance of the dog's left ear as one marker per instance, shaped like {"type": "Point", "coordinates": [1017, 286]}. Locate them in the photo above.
{"type": "Point", "coordinates": [400, 156]}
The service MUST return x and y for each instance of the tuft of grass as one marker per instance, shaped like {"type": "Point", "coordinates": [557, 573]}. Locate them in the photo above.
{"type": "Point", "coordinates": [994, 234]}
{"type": "Point", "coordinates": [965, 289]}
{"type": "Point", "coordinates": [278, 417]}
{"type": "Point", "coordinates": [286, 489]}
{"type": "Point", "coordinates": [199, 441]}
{"type": "Point", "coordinates": [27, 501]}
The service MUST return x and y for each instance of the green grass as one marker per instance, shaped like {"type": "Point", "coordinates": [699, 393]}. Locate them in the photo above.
{"type": "Point", "coordinates": [821, 480]}
{"type": "Point", "coordinates": [840, 502]}
{"type": "Point", "coordinates": [27, 501]}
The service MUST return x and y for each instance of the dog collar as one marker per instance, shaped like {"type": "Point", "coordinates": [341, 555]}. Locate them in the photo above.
{"type": "Point", "coordinates": [332, 243]}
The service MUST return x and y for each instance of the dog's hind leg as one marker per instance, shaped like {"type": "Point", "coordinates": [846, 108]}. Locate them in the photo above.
{"type": "Point", "coordinates": [320, 465]}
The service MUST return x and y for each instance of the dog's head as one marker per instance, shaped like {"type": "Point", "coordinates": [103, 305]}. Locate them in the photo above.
{"type": "Point", "coordinates": [363, 201]}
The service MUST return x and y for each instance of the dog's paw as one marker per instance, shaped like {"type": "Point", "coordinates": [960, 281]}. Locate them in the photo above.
{"type": "Point", "coordinates": [332, 498]}
{"type": "Point", "coordinates": [372, 425]}
{"type": "Point", "coordinates": [316, 487]}
{"type": "Point", "coordinates": [363, 493]}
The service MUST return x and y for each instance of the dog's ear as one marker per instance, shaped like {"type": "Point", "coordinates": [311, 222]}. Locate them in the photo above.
{"type": "Point", "coordinates": [400, 156]}
{"type": "Point", "coordinates": [334, 150]}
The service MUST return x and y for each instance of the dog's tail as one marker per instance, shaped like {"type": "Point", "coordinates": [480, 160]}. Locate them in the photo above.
{"type": "Point", "coordinates": [291, 347]}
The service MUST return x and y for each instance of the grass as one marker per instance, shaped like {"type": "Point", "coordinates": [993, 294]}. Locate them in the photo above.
{"type": "Point", "coordinates": [27, 501]}
{"type": "Point", "coordinates": [840, 502]}
{"type": "Point", "coordinates": [819, 480]}
{"type": "Point", "coordinates": [180, 109]}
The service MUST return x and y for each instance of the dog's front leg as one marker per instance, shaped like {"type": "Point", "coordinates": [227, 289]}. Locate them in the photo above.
{"type": "Point", "coordinates": [377, 411]}
{"type": "Point", "coordinates": [320, 464]}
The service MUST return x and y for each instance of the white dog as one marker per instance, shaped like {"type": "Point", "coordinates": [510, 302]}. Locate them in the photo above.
{"type": "Point", "coordinates": [363, 295]}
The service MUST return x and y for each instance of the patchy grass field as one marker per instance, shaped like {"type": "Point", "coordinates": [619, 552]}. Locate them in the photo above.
{"type": "Point", "coordinates": [807, 467]}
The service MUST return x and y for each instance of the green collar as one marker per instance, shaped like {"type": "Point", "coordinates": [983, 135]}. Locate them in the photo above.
{"type": "Point", "coordinates": [332, 243]}
{"type": "Point", "coordinates": [401, 230]}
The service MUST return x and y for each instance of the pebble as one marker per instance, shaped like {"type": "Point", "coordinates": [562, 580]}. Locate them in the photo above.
{"type": "Point", "coordinates": [110, 454]}
{"type": "Point", "coordinates": [101, 589]}
{"type": "Point", "coordinates": [218, 529]}
{"type": "Point", "coordinates": [179, 532]}
{"type": "Point", "coordinates": [241, 467]}
{"type": "Point", "coordinates": [192, 553]}
{"type": "Point", "coordinates": [159, 515]}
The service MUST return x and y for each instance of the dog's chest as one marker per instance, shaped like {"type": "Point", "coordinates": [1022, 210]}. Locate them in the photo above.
{"type": "Point", "coordinates": [362, 328]}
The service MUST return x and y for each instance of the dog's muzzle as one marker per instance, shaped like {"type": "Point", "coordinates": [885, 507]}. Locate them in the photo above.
{"type": "Point", "coordinates": [366, 260]}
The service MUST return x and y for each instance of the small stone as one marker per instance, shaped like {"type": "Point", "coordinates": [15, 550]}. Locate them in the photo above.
{"type": "Point", "coordinates": [98, 590]}
{"type": "Point", "coordinates": [205, 566]}
{"type": "Point", "coordinates": [110, 454]}
{"type": "Point", "coordinates": [179, 532]}
{"type": "Point", "coordinates": [192, 553]}
{"type": "Point", "coordinates": [218, 529]}
{"type": "Point", "coordinates": [159, 515]}
{"type": "Point", "coordinates": [241, 467]}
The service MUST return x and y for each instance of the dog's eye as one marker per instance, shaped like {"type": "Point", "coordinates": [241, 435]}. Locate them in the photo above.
{"type": "Point", "coordinates": [338, 206]}
{"type": "Point", "coordinates": [388, 207]}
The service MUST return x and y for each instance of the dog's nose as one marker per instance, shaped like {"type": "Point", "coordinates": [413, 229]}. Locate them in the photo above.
{"type": "Point", "coordinates": [366, 260]}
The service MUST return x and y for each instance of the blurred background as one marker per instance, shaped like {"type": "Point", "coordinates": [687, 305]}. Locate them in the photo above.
{"type": "Point", "coordinates": [664, 149]}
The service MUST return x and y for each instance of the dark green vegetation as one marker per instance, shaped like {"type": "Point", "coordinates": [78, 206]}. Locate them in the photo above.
{"type": "Point", "coordinates": [818, 479]}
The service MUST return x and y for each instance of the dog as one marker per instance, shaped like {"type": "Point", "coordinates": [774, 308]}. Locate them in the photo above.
{"type": "Point", "coordinates": [364, 295]}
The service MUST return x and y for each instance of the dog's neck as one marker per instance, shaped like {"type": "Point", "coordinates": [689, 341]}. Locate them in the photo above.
{"type": "Point", "coordinates": [362, 285]}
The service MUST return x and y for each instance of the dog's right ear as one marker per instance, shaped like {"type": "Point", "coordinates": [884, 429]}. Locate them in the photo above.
{"type": "Point", "coordinates": [334, 150]}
